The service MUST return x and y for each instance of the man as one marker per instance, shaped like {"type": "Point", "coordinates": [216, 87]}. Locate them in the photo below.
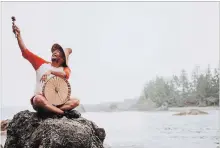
{"type": "Point", "coordinates": [58, 67]}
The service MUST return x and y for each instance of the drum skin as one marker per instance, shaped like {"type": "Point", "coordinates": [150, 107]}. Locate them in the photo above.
{"type": "Point", "coordinates": [57, 90]}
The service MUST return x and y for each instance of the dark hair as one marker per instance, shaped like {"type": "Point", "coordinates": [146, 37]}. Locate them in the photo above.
{"type": "Point", "coordinates": [56, 46]}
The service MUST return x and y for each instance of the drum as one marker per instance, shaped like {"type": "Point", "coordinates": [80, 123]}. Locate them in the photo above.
{"type": "Point", "coordinates": [57, 90]}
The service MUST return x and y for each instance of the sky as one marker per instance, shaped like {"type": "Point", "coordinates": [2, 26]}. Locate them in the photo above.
{"type": "Point", "coordinates": [117, 46]}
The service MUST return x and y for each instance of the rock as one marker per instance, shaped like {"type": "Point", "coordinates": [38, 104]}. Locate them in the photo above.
{"type": "Point", "coordinates": [191, 112]}
{"type": "Point", "coordinates": [33, 130]}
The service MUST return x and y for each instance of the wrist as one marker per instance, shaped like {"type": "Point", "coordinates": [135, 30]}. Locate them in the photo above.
{"type": "Point", "coordinates": [19, 36]}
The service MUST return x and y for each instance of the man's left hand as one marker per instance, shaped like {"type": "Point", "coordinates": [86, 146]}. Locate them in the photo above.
{"type": "Point", "coordinates": [44, 77]}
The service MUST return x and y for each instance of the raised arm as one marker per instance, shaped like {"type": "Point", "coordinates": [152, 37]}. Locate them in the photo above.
{"type": "Point", "coordinates": [34, 59]}
{"type": "Point", "coordinates": [21, 44]}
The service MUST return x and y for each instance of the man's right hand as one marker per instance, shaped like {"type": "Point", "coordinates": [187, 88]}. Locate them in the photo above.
{"type": "Point", "coordinates": [15, 30]}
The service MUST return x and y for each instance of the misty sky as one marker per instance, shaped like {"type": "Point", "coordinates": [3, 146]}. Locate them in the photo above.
{"type": "Point", "coordinates": [117, 46]}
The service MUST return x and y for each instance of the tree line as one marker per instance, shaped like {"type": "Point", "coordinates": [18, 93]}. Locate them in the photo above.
{"type": "Point", "coordinates": [196, 89]}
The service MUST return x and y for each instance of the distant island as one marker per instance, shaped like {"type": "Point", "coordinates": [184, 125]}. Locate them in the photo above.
{"type": "Point", "coordinates": [201, 90]}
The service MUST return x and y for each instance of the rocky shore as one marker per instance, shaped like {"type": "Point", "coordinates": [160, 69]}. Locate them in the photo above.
{"type": "Point", "coordinates": [191, 112]}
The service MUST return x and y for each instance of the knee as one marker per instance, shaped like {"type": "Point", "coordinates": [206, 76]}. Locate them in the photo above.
{"type": "Point", "coordinates": [38, 100]}
{"type": "Point", "coordinates": [75, 103]}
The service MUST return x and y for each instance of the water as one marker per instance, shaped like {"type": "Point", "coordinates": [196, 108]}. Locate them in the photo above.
{"type": "Point", "coordinates": [158, 129]}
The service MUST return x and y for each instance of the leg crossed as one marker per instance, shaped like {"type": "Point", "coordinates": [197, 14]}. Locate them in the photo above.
{"type": "Point", "coordinates": [40, 101]}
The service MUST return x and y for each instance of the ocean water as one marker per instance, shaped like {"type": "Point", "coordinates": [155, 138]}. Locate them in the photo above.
{"type": "Point", "coordinates": [158, 129]}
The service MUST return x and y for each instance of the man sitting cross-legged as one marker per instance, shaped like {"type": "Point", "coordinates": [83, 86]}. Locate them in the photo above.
{"type": "Point", "coordinates": [58, 67]}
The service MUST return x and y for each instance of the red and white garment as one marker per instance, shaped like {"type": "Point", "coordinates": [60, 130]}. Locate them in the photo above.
{"type": "Point", "coordinates": [41, 66]}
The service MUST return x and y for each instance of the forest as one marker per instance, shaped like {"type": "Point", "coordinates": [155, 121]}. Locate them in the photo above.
{"type": "Point", "coordinates": [195, 89]}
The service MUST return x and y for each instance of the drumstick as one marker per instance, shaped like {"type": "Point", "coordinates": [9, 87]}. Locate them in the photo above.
{"type": "Point", "coordinates": [13, 22]}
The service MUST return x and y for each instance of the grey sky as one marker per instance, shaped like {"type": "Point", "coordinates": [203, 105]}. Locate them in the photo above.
{"type": "Point", "coordinates": [117, 46]}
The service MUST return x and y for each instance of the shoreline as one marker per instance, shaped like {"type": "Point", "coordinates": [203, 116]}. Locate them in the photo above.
{"type": "Point", "coordinates": [208, 108]}
{"type": "Point", "coordinates": [170, 109]}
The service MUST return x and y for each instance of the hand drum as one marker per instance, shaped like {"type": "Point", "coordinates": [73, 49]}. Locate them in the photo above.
{"type": "Point", "coordinates": [57, 90]}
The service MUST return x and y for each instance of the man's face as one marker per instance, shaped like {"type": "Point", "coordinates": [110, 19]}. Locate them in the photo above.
{"type": "Point", "coordinates": [57, 57]}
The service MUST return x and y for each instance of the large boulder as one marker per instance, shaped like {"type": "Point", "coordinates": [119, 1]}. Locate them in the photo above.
{"type": "Point", "coordinates": [33, 130]}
